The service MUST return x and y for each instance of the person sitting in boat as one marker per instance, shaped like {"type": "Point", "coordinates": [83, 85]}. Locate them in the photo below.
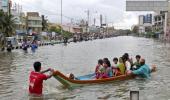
{"type": "Point", "coordinates": [120, 68]}
{"type": "Point", "coordinates": [144, 70]}
{"type": "Point", "coordinates": [115, 62]}
{"type": "Point", "coordinates": [126, 63]}
{"type": "Point", "coordinates": [136, 65]}
{"type": "Point", "coordinates": [105, 59]}
{"type": "Point", "coordinates": [36, 79]}
{"type": "Point", "coordinates": [99, 68]}
{"type": "Point", "coordinates": [108, 72]}
{"type": "Point", "coordinates": [115, 65]}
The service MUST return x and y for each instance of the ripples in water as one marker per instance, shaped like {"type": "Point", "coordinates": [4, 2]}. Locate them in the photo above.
{"type": "Point", "coordinates": [80, 59]}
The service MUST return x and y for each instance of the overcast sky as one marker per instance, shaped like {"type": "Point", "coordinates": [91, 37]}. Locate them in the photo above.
{"type": "Point", "coordinates": [113, 11]}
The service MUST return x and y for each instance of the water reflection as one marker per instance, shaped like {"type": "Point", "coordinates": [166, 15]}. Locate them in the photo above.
{"type": "Point", "coordinates": [80, 59]}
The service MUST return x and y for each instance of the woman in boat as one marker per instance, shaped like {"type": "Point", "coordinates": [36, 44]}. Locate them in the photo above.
{"type": "Point", "coordinates": [99, 68]}
{"type": "Point", "coordinates": [105, 59]}
{"type": "Point", "coordinates": [108, 72]}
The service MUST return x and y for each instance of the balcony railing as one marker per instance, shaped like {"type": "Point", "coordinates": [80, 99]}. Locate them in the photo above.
{"type": "Point", "coordinates": [34, 18]}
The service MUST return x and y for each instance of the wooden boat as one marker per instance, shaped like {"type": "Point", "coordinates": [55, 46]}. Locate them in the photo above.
{"type": "Point", "coordinates": [87, 79]}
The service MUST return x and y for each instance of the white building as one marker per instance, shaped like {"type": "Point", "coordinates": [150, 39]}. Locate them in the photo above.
{"type": "Point", "coordinates": [145, 23]}
{"type": "Point", "coordinates": [4, 5]}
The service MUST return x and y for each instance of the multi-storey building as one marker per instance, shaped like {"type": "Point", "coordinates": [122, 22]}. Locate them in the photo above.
{"type": "Point", "coordinates": [145, 23]}
{"type": "Point", "coordinates": [4, 5]}
{"type": "Point", "coordinates": [160, 7]}
{"type": "Point", "coordinates": [34, 23]}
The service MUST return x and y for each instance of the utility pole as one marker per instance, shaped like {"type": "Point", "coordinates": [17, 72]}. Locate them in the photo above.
{"type": "Point", "coordinates": [101, 23]}
{"type": "Point", "coordinates": [61, 16]}
{"type": "Point", "coordinates": [106, 24]}
{"type": "Point", "coordinates": [94, 21]}
{"type": "Point", "coordinates": [101, 20]}
{"type": "Point", "coordinates": [88, 16]}
{"type": "Point", "coordinates": [71, 22]}
{"type": "Point", "coordinates": [9, 6]}
{"type": "Point", "coordinates": [88, 20]}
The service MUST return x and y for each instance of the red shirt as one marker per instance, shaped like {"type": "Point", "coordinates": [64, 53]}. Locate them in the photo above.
{"type": "Point", "coordinates": [36, 82]}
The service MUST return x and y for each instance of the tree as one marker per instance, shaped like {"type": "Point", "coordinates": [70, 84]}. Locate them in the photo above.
{"type": "Point", "coordinates": [67, 34]}
{"type": "Point", "coordinates": [44, 23]}
{"type": "Point", "coordinates": [1, 20]}
{"type": "Point", "coordinates": [8, 25]}
{"type": "Point", "coordinates": [135, 29]}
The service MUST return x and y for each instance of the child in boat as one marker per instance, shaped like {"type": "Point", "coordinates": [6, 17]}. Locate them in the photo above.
{"type": "Point", "coordinates": [120, 68]}
{"type": "Point", "coordinates": [99, 68]}
{"type": "Point", "coordinates": [136, 65]}
{"type": "Point", "coordinates": [127, 62]}
{"type": "Point", "coordinates": [115, 62]}
{"type": "Point", "coordinates": [36, 79]}
{"type": "Point", "coordinates": [115, 65]}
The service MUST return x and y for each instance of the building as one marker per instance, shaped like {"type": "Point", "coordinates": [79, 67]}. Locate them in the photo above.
{"type": "Point", "coordinates": [4, 5]}
{"type": "Point", "coordinates": [160, 7]}
{"type": "Point", "coordinates": [34, 23]}
{"type": "Point", "coordinates": [72, 28]}
{"type": "Point", "coordinates": [145, 23]}
{"type": "Point", "coordinates": [159, 22]}
{"type": "Point", "coordinates": [20, 19]}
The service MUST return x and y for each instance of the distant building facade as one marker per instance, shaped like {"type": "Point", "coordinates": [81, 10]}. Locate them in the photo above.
{"type": "Point", "coordinates": [145, 23]}
{"type": "Point", "coordinates": [4, 5]}
{"type": "Point", "coordinates": [34, 23]}
{"type": "Point", "coordinates": [161, 20]}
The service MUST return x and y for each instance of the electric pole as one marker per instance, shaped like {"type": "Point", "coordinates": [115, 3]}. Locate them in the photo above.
{"type": "Point", "coordinates": [61, 16]}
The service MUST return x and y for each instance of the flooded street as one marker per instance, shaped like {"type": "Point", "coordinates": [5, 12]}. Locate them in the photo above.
{"type": "Point", "coordinates": [81, 58]}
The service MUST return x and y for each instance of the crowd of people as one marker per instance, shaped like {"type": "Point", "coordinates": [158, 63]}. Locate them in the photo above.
{"type": "Point", "coordinates": [121, 66]}
{"type": "Point", "coordinates": [33, 45]}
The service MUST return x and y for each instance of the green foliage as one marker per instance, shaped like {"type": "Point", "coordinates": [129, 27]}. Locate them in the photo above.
{"type": "Point", "coordinates": [135, 29]}
{"type": "Point", "coordinates": [6, 24]}
{"type": "Point", "coordinates": [55, 29]}
{"type": "Point", "coordinates": [150, 34]}
{"type": "Point", "coordinates": [67, 34]}
{"type": "Point", "coordinates": [9, 25]}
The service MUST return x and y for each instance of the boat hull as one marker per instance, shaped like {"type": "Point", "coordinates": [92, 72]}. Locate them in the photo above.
{"type": "Point", "coordinates": [70, 83]}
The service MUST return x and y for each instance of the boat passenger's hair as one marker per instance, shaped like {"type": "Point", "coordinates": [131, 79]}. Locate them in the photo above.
{"type": "Point", "coordinates": [37, 66]}
{"type": "Point", "coordinates": [100, 61]}
{"type": "Point", "coordinates": [138, 56]}
{"type": "Point", "coordinates": [105, 59]}
{"type": "Point", "coordinates": [115, 59]}
{"type": "Point", "coordinates": [107, 62]}
{"type": "Point", "coordinates": [126, 55]}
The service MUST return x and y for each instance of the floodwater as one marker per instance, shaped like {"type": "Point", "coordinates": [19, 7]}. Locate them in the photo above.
{"type": "Point", "coordinates": [81, 58]}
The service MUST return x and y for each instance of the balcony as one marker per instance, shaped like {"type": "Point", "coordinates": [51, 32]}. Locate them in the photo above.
{"type": "Point", "coordinates": [34, 18]}
{"type": "Point", "coordinates": [36, 26]}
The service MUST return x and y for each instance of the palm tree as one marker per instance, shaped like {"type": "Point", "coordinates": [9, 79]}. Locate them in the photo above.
{"type": "Point", "coordinates": [8, 25]}
{"type": "Point", "coordinates": [1, 20]}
